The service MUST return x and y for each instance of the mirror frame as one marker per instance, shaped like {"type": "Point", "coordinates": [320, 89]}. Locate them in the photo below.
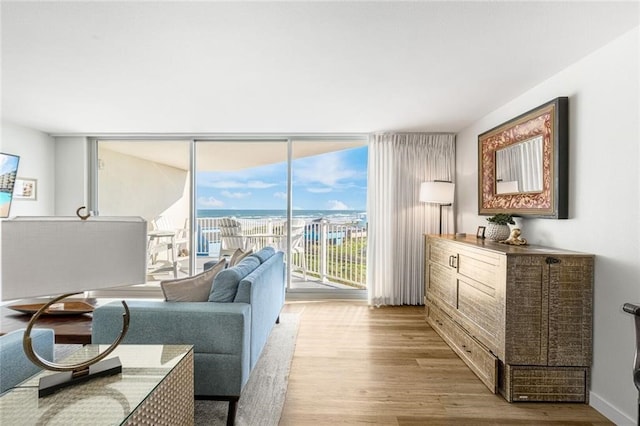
{"type": "Point", "coordinates": [551, 120]}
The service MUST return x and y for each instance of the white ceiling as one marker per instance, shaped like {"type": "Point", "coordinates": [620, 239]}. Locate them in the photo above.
{"type": "Point", "coordinates": [284, 67]}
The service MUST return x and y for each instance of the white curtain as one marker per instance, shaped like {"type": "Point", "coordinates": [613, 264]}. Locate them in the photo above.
{"type": "Point", "coordinates": [398, 164]}
{"type": "Point", "coordinates": [531, 159]}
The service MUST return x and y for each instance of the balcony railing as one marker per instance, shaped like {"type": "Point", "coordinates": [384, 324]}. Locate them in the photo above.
{"type": "Point", "coordinates": [333, 252]}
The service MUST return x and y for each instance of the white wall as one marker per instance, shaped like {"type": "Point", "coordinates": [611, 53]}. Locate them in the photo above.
{"type": "Point", "coordinates": [72, 175]}
{"type": "Point", "coordinates": [131, 186]}
{"type": "Point", "coordinates": [36, 150]}
{"type": "Point", "coordinates": [604, 201]}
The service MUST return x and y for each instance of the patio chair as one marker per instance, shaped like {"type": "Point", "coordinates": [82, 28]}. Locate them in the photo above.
{"type": "Point", "coordinates": [298, 227]}
{"type": "Point", "coordinates": [231, 236]}
{"type": "Point", "coordinates": [168, 246]}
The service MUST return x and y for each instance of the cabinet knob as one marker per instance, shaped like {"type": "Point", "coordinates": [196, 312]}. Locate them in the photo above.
{"type": "Point", "coordinates": [551, 260]}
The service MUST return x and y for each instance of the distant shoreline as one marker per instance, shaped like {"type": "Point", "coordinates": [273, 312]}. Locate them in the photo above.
{"type": "Point", "coordinates": [275, 213]}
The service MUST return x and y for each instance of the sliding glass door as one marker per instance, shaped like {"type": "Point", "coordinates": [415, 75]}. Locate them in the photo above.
{"type": "Point", "coordinates": [329, 195]}
{"type": "Point", "coordinates": [305, 196]}
{"type": "Point", "coordinates": [150, 179]}
{"type": "Point", "coordinates": [240, 196]}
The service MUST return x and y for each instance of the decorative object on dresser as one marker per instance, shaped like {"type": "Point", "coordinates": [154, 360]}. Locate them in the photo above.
{"type": "Point", "coordinates": [523, 164]}
{"type": "Point", "coordinates": [515, 238]}
{"type": "Point", "coordinates": [498, 227]}
{"type": "Point", "coordinates": [439, 192]}
{"type": "Point", "coordinates": [519, 316]}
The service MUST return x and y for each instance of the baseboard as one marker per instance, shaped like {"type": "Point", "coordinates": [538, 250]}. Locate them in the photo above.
{"type": "Point", "coordinates": [609, 411]}
{"type": "Point", "coordinates": [313, 294]}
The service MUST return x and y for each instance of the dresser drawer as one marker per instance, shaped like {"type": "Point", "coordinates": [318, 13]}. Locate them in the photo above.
{"type": "Point", "coordinates": [544, 384]}
{"type": "Point", "coordinates": [479, 359]}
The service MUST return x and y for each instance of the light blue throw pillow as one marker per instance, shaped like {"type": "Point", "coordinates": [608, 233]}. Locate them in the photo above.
{"type": "Point", "coordinates": [264, 253]}
{"type": "Point", "coordinates": [225, 284]}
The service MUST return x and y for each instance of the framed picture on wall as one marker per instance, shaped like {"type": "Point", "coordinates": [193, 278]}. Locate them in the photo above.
{"type": "Point", "coordinates": [25, 189]}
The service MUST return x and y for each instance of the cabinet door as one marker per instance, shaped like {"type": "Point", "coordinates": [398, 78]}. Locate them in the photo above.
{"type": "Point", "coordinates": [478, 305]}
{"type": "Point", "coordinates": [526, 322]}
{"type": "Point", "coordinates": [480, 280]}
{"type": "Point", "coordinates": [570, 311]}
{"type": "Point", "coordinates": [440, 252]}
{"type": "Point", "coordinates": [480, 265]}
{"type": "Point", "coordinates": [441, 286]}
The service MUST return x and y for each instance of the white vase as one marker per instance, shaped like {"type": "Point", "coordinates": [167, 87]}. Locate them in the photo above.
{"type": "Point", "coordinates": [495, 232]}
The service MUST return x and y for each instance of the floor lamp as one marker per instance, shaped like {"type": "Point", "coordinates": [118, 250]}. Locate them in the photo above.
{"type": "Point", "coordinates": [437, 192]}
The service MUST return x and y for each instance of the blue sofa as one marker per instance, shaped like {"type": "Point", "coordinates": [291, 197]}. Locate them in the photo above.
{"type": "Point", "coordinates": [15, 367]}
{"type": "Point", "coordinates": [228, 337]}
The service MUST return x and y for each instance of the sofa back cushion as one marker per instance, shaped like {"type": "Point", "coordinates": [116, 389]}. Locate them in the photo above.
{"type": "Point", "coordinates": [238, 255]}
{"type": "Point", "coordinates": [271, 271]}
{"type": "Point", "coordinates": [264, 253]}
{"type": "Point", "coordinates": [225, 284]}
{"type": "Point", "coordinates": [192, 289]}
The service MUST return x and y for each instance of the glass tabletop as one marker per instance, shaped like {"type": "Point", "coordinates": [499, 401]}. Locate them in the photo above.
{"type": "Point", "coordinates": [102, 401]}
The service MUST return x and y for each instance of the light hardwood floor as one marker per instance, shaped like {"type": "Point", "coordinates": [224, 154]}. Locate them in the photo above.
{"type": "Point", "coordinates": [386, 366]}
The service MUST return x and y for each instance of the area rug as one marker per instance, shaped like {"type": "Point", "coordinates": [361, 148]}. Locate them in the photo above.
{"type": "Point", "coordinates": [263, 396]}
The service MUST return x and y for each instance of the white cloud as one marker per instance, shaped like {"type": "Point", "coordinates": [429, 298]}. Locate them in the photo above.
{"type": "Point", "coordinates": [337, 205]}
{"type": "Point", "coordinates": [222, 184]}
{"type": "Point", "coordinates": [281, 195]}
{"type": "Point", "coordinates": [327, 169]}
{"type": "Point", "coordinates": [319, 190]}
{"type": "Point", "coordinates": [258, 184]}
{"type": "Point", "coordinates": [232, 184]}
{"type": "Point", "coordinates": [230, 194]}
{"type": "Point", "coordinates": [209, 202]}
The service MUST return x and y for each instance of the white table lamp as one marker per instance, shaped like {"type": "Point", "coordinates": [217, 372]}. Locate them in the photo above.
{"type": "Point", "coordinates": [43, 256]}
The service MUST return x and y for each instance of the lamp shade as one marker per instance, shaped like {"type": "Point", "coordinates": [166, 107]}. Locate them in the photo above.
{"type": "Point", "coordinates": [52, 255]}
{"type": "Point", "coordinates": [437, 192]}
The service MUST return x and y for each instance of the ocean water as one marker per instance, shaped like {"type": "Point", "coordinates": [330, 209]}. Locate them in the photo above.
{"type": "Point", "coordinates": [340, 216]}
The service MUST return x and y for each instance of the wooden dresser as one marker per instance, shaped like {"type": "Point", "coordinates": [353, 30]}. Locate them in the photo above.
{"type": "Point", "coordinates": [519, 316]}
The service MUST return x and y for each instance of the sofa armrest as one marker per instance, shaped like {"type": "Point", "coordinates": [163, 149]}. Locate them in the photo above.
{"type": "Point", "coordinates": [15, 367]}
{"type": "Point", "coordinates": [264, 289]}
{"type": "Point", "coordinates": [210, 327]}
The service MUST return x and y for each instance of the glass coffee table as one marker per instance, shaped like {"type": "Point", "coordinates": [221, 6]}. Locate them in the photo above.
{"type": "Point", "coordinates": [155, 387]}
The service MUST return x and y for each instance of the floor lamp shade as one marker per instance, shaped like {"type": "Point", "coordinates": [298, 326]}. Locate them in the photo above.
{"type": "Point", "coordinates": [437, 192]}
{"type": "Point", "coordinates": [52, 255]}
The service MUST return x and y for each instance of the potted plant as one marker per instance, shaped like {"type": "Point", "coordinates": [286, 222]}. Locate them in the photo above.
{"type": "Point", "coordinates": [498, 228]}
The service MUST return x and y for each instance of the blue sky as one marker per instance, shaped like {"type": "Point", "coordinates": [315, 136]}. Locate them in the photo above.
{"type": "Point", "coordinates": [8, 163]}
{"type": "Point", "coordinates": [332, 181]}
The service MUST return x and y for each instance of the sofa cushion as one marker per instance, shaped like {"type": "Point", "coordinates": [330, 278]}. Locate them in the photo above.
{"type": "Point", "coordinates": [225, 284]}
{"type": "Point", "coordinates": [238, 255]}
{"type": "Point", "coordinates": [264, 253]}
{"type": "Point", "coordinates": [192, 289]}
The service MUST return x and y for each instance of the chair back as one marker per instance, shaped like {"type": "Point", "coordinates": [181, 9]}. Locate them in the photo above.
{"type": "Point", "coordinates": [297, 234]}
{"type": "Point", "coordinates": [231, 237]}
